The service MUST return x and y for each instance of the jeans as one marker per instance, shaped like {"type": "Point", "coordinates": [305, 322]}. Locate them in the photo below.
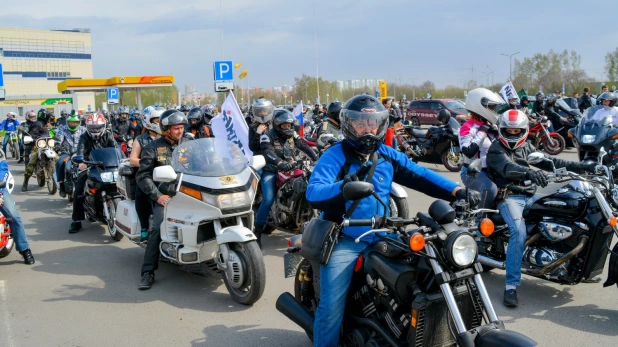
{"type": "Point", "coordinates": [482, 184]}
{"type": "Point", "coordinates": [78, 202]}
{"type": "Point", "coordinates": [151, 257]}
{"type": "Point", "coordinates": [9, 210]}
{"type": "Point", "coordinates": [143, 207]}
{"type": "Point", "coordinates": [6, 141]}
{"type": "Point", "coordinates": [268, 197]}
{"type": "Point", "coordinates": [335, 278]}
{"type": "Point", "coordinates": [60, 167]}
{"type": "Point", "coordinates": [512, 210]}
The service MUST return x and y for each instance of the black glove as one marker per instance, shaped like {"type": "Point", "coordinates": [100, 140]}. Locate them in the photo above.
{"type": "Point", "coordinates": [473, 196]}
{"type": "Point", "coordinates": [485, 128]}
{"type": "Point", "coordinates": [356, 176]}
{"type": "Point", "coordinates": [284, 166]}
{"type": "Point", "coordinates": [538, 177]}
{"type": "Point", "coordinates": [594, 168]}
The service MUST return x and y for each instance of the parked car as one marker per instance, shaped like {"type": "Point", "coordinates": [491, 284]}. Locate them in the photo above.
{"type": "Point", "coordinates": [426, 111]}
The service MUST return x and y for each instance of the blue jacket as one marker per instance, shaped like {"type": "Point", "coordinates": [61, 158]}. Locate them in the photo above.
{"type": "Point", "coordinates": [9, 125]}
{"type": "Point", "coordinates": [324, 188]}
{"type": "Point", "coordinates": [4, 174]}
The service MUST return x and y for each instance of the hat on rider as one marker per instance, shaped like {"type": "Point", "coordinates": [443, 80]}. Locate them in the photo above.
{"type": "Point", "coordinates": [147, 121]}
{"type": "Point", "coordinates": [195, 117]}
{"type": "Point", "coordinates": [513, 119]}
{"type": "Point", "coordinates": [171, 117]}
{"type": "Point", "coordinates": [281, 117]}
{"type": "Point", "coordinates": [608, 96]}
{"type": "Point", "coordinates": [333, 110]}
{"type": "Point", "coordinates": [263, 110]}
{"type": "Point", "coordinates": [524, 101]}
{"type": "Point", "coordinates": [73, 123]}
{"type": "Point", "coordinates": [95, 125]}
{"type": "Point", "coordinates": [484, 103]}
{"type": "Point", "coordinates": [364, 121]}
{"type": "Point", "coordinates": [185, 108]}
{"type": "Point", "coordinates": [551, 98]}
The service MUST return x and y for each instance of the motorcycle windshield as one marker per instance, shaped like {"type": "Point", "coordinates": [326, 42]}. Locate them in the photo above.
{"type": "Point", "coordinates": [562, 104]}
{"type": "Point", "coordinates": [110, 157]}
{"type": "Point", "coordinates": [209, 157]}
{"type": "Point", "coordinates": [598, 115]}
{"type": "Point", "coordinates": [454, 125]}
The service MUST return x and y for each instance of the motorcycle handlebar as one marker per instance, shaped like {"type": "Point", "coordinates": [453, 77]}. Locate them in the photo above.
{"type": "Point", "coordinates": [359, 222]}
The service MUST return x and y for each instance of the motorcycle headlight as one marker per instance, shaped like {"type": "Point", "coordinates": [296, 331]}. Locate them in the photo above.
{"type": "Point", "coordinates": [461, 249]}
{"type": "Point", "coordinates": [41, 143]}
{"type": "Point", "coordinates": [588, 138]}
{"type": "Point", "coordinates": [109, 176]}
{"type": "Point", "coordinates": [51, 143]}
{"type": "Point", "coordinates": [232, 200]}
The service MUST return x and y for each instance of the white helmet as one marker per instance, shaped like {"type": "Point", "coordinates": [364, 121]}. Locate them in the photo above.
{"type": "Point", "coordinates": [513, 119]}
{"type": "Point", "coordinates": [484, 103]}
{"type": "Point", "coordinates": [11, 115]}
{"type": "Point", "coordinates": [150, 113]}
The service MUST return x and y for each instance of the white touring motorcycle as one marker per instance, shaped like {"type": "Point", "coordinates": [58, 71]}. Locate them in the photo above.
{"type": "Point", "coordinates": [208, 223]}
{"type": "Point", "coordinates": [6, 238]}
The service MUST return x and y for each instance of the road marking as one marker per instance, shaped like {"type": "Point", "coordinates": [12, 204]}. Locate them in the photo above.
{"type": "Point", "coordinates": [4, 307]}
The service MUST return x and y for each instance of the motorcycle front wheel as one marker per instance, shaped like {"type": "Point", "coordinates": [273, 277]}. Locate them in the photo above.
{"type": "Point", "coordinates": [399, 207]}
{"type": "Point", "coordinates": [554, 147]}
{"type": "Point", "coordinates": [452, 159]}
{"type": "Point", "coordinates": [254, 274]}
{"type": "Point", "coordinates": [112, 204]}
{"type": "Point", "coordinates": [40, 178]}
{"type": "Point", "coordinates": [15, 147]}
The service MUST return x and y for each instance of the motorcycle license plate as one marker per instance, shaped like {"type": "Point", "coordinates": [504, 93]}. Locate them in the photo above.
{"type": "Point", "coordinates": [290, 263]}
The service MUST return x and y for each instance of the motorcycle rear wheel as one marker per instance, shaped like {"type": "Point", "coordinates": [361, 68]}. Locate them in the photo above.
{"type": "Point", "coordinates": [304, 293]}
{"type": "Point", "coordinates": [557, 147]}
{"type": "Point", "coordinates": [254, 273]}
{"type": "Point", "coordinates": [52, 187]}
{"type": "Point", "coordinates": [8, 247]}
{"type": "Point", "coordinates": [15, 147]}
{"type": "Point", "coordinates": [112, 204]}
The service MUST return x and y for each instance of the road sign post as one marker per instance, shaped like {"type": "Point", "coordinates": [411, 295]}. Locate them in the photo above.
{"type": "Point", "coordinates": [1, 77]}
{"type": "Point", "coordinates": [112, 95]}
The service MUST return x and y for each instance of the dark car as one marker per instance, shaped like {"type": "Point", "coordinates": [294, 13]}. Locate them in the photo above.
{"type": "Point", "coordinates": [426, 111]}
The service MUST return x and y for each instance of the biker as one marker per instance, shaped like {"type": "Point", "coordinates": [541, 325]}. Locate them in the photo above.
{"type": "Point", "coordinates": [35, 129]}
{"type": "Point", "coordinates": [475, 137]}
{"type": "Point", "coordinates": [512, 104]}
{"type": "Point", "coordinates": [158, 153]}
{"type": "Point", "coordinates": [152, 131]}
{"type": "Point", "coordinates": [393, 117]}
{"type": "Point", "coordinates": [278, 147]}
{"type": "Point", "coordinates": [329, 131]}
{"type": "Point", "coordinates": [63, 119]}
{"type": "Point", "coordinates": [209, 114]}
{"type": "Point", "coordinates": [95, 137]}
{"type": "Point", "coordinates": [67, 138]}
{"type": "Point", "coordinates": [44, 117]}
{"type": "Point", "coordinates": [135, 125]}
{"type": "Point", "coordinates": [121, 125]}
{"type": "Point", "coordinates": [364, 121]}
{"type": "Point", "coordinates": [507, 165]}
{"type": "Point", "coordinates": [185, 109]}
{"type": "Point", "coordinates": [262, 115]}
{"type": "Point", "coordinates": [539, 105]}
{"type": "Point", "coordinates": [9, 125]}
{"type": "Point", "coordinates": [550, 112]}
{"type": "Point", "coordinates": [608, 101]}
{"type": "Point", "coordinates": [9, 210]}
{"type": "Point", "coordinates": [195, 119]}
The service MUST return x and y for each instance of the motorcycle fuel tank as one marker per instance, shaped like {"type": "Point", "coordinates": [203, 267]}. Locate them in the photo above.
{"type": "Point", "coordinates": [564, 202]}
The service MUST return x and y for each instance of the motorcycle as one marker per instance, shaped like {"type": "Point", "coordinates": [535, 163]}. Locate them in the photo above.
{"type": "Point", "coordinates": [574, 118]}
{"type": "Point", "coordinates": [70, 178]}
{"type": "Point", "coordinates": [593, 134]}
{"type": "Point", "coordinates": [551, 142]}
{"type": "Point", "coordinates": [208, 223]}
{"type": "Point", "coordinates": [13, 145]}
{"type": "Point", "coordinates": [45, 169]}
{"type": "Point", "coordinates": [570, 226]}
{"type": "Point", "coordinates": [438, 143]}
{"type": "Point", "coordinates": [413, 287]}
{"type": "Point", "coordinates": [6, 238]}
{"type": "Point", "coordinates": [100, 191]}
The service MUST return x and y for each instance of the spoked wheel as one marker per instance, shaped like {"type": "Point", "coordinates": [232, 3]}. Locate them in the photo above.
{"type": "Point", "coordinates": [555, 146]}
{"type": "Point", "coordinates": [112, 204]}
{"type": "Point", "coordinates": [15, 147]}
{"type": "Point", "coordinates": [399, 207]}
{"type": "Point", "coordinates": [52, 187]}
{"type": "Point", "coordinates": [40, 178]}
{"type": "Point", "coordinates": [245, 277]}
{"type": "Point", "coordinates": [452, 159]}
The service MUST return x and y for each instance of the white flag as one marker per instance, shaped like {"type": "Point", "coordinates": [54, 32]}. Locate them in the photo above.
{"type": "Point", "coordinates": [508, 91]}
{"type": "Point", "coordinates": [230, 126]}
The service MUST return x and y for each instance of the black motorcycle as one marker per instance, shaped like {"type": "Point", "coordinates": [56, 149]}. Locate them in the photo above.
{"type": "Point", "coordinates": [594, 133]}
{"type": "Point", "coordinates": [570, 225]}
{"type": "Point", "coordinates": [415, 287]}
{"type": "Point", "coordinates": [436, 144]}
{"type": "Point", "coordinates": [574, 117]}
{"type": "Point", "coordinates": [101, 195]}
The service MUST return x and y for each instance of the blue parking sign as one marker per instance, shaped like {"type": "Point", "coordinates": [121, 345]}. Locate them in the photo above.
{"type": "Point", "coordinates": [224, 71]}
{"type": "Point", "coordinates": [113, 94]}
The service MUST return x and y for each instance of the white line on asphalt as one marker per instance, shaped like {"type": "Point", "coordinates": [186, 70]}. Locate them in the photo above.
{"type": "Point", "coordinates": [5, 308]}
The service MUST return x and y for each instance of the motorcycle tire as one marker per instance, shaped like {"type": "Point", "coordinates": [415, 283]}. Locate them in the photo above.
{"type": "Point", "coordinates": [414, 121]}
{"type": "Point", "coordinates": [70, 195]}
{"type": "Point", "coordinates": [399, 207]}
{"type": "Point", "coordinates": [557, 147]}
{"type": "Point", "coordinates": [112, 205]}
{"type": "Point", "coordinates": [254, 269]}
{"type": "Point", "coordinates": [7, 248]}
{"type": "Point", "coordinates": [15, 147]}
{"type": "Point", "coordinates": [448, 163]}
{"type": "Point", "coordinates": [52, 186]}
{"type": "Point", "coordinates": [40, 179]}
{"type": "Point", "coordinates": [304, 292]}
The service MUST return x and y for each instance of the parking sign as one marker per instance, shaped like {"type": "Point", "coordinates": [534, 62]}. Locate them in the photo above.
{"type": "Point", "coordinates": [224, 71]}
{"type": "Point", "coordinates": [112, 95]}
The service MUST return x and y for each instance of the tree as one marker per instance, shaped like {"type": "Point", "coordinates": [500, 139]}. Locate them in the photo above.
{"type": "Point", "coordinates": [427, 87]}
{"type": "Point", "coordinates": [611, 65]}
{"type": "Point", "coordinates": [306, 89]}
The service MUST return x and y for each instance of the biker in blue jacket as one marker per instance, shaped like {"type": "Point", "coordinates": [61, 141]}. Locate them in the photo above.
{"type": "Point", "coordinates": [9, 125]}
{"type": "Point", "coordinates": [364, 121]}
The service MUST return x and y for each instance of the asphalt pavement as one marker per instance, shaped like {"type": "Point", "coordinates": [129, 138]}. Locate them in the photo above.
{"type": "Point", "coordinates": [82, 291]}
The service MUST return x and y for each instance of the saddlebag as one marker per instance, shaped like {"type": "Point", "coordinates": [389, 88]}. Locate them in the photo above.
{"type": "Point", "coordinates": [319, 239]}
{"type": "Point", "coordinates": [126, 218]}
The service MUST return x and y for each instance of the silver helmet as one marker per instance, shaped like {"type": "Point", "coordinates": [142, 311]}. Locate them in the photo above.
{"type": "Point", "coordinates": [484, 103]}
{"type": "Point", "coordinates": [263, 110]}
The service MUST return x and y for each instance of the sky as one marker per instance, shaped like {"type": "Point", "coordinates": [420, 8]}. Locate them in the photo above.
{"type": "Point", "coordinates": [437, 40]}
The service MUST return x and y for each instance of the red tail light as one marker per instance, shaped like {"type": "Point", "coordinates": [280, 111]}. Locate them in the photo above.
{"type": "Point", "coordinates": [290, 243]}
{"type": "Point", "coordinates": [359, 263]}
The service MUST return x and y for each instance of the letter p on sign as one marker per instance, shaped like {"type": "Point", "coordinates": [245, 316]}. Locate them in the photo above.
{"type": "Point", "coordinates": [223, 71]}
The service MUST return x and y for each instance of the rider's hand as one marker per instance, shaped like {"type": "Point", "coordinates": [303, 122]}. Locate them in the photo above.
{"type": "Point", "coordinates": [538, 177]}
{"type": "Point", "coordinates": [356, 176]}
{"type": "Point", "coordinates": [473, 197]}
{"type": "Point", "coordinates": [284, 166]}
{"type": "Point", "coordinates": [82, 166]}
{"type": "Point", "coordinates": [261, 128]}
{"type": "Point", "coordinates": [163, 199]}
{"type": "Point", "coordinates": [594, 168]}
{"type": "Point", "coordinates": [485, 129]}
{"type": "Point", "coordinates": [564, 119]}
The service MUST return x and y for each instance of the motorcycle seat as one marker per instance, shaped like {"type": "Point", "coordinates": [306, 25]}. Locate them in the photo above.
{"type": "Point", "coordinates": [419, 133]}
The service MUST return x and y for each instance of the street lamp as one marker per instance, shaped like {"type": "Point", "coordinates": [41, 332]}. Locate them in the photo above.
{"type": "Point", "coordinates": [413, 87]}
{"type": "Point", "coordinates": [491, 71]}
{"type": "Point", "coordinates": [510, 64]}
{"type": "Point", "coordinates": [327, 99]}
{"type": "Point", "coordinates": [487, 75]}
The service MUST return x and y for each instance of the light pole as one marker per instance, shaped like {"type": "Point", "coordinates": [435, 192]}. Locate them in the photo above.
{"type": "Point", "coordinates": [413, 87]}
{"type": "Point", "coordinates": [510, 63]}
{"type": "Point", "coordinates": [491, 71]}
{"type": "Point", "coordinates": [487, 75]}
{"type": "Point", "coordinates": [327, 99]}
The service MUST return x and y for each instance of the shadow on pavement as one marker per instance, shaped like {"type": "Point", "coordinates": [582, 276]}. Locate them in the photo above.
{"type": "Point", "coordinates": [57, 229]}
{"type": "Point", "coordinates": [245, 335]}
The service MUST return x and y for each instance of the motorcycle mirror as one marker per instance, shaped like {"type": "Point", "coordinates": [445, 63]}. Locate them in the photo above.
{"type": "Point", "coordinates": [535, 158]}
{"type": "Point", "coordinates": [475, 168]}
{"type": "Point", "coordinates": [602, 153]}
{"type": "Point", "coordinates": [257, 162]}
{"type": "Point", "coordinates": [77, 159]}
{"type": "Point", "coordinates": [27, 140]}
{"type": "Point", "coordinates": [164, 174]}
{"type": "Point", "coordinates": [2, 184]}
{"type": "Point", "coordinates": [357, 190]}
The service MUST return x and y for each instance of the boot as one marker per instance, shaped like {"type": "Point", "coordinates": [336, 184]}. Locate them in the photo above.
{"type": "Point", "coordinates": [24, 187]}
{"type": "Point", "coordinates": [28, 258]}
{"type": "Point", "coordinates": [144, 235]}
{"type": "Point", "coordinates": [257, 231]}
{"type": "Point", "coordinates": [75, 227]}
{"type": "Point", "coordinates": [147, 281]}
{"type": "Point", "coordinates": [61, 191]}
{"type": "Point", "coordinates": [21, 160]}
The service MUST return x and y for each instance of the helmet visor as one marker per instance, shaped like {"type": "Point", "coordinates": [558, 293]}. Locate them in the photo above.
{"type": "Point", "coordinates": [367, 123]}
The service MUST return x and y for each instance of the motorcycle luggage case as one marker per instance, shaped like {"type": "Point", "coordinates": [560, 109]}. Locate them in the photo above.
{"type": "Point", "coordinates": [126, 218]}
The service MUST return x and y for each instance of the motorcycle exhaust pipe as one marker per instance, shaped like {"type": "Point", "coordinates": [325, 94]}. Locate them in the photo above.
{"type": "Point", "coordinates": [491, 263]}
{"type": "Point", "coordinates": [295, 311]}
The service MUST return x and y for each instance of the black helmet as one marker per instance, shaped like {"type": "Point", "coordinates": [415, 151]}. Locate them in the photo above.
{"type": "Point", "coordinates": [282, 116]}
{"type": "Point", "coordinates": [444, 116]}
{"type": "Point", "coordinates": [524, 98]}
{"type": "Point", "coordinates": [333, 110]}
{"type": "Point", "coordinates": [539, 95]}
{"type": "Point", "coordinates": [364, 112]}
{"type": "Point", "coordinates": [607, 96]}
{"type": "Point", "coordinates": [195, 117]}
{"type": "Point", "coordinates": [171, 117]}
{"type": "Point", "coordinates": [551, 98]}
{"type": "Point", "coordinates": [185, 108]}
{"type": "Point", "coordinates": [63, 113]}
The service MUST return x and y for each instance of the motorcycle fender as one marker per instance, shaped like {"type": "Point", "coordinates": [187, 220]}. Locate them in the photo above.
{"type": "Point", "coordinates": [50, 154]}
{"type": "Point", "coordinates": [127, 221]}
{"type": "Point", "coordinates": [612, 272]}
{"type": "Point", "coordinates": [398, 191]}
{"type": "Point", "coordinates": [235, 233]}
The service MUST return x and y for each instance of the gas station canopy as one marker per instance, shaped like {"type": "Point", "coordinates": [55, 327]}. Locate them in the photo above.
{"type": "Point", "coordinates": [121, 82]}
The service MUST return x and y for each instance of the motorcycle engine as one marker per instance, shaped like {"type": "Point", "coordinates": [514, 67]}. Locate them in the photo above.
{"type": "Point", "coordinates": [555, 231]}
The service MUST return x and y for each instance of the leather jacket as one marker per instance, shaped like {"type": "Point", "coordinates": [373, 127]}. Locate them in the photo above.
{"type": "Point", "coordinates": [328, 127]}
{"type": "Point", "coordinates": [156, 153]}
{"type": "Point", "coordinates": [202, 132]}
{"type": "Point", "coordinates": [276, 149]}
{"type": "Point", "coordinates": [538, 107]}
{"type": "Point", "coordinates": [135, 128]}
{"type": "Point", "coordinates": [254, 138]}
{"type": "Point", "coordinates": [121, 128]}
{"type": "Point", "coordinates": [35, 130]}
{"type": "Point", "coordinates": [553, 116]}
{"type": "Point", "coordinates": [506, 166]}
{"type": "Point", "coordinates": [87, 144]}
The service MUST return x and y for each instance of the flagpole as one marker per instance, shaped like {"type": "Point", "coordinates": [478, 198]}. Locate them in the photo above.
{"type": "Point", "coordinates": [221, 23]}
{"type": "Point", "coordinates": [317, 71]}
